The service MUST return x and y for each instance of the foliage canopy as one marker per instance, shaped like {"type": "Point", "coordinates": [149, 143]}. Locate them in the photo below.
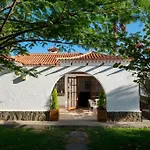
{"type": "Point", "coordinates": [96, 24]}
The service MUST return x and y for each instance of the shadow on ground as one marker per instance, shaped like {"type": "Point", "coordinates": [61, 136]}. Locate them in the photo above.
{"type": "Point", "coordinates": [56, 138]}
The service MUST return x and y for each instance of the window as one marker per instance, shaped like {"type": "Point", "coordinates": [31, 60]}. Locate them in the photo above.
{"type": "Point", "coordinates": [60, 86]}
{"type": "Point", "coordinates": [87, 85]}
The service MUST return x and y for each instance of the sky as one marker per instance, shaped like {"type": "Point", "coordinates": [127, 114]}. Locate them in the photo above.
{"type": "Point", "coordinates": [132, 28]}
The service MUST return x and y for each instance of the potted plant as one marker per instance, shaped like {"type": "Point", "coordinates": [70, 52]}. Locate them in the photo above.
{"type": "Point", "coordinates": [54, 109]}
{"type": "Point", "coordinates": [101, 110]}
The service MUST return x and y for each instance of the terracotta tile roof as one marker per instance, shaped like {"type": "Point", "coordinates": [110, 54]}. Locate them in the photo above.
{"type": "Point", "coordinates": [43, 59]}
{"type": "Point", "coordinates": [54, 58]}
{"type": "Point", "coordinates": [93, 56]}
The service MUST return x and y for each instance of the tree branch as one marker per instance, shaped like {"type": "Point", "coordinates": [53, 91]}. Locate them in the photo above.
{"type": "Point", "coordinates": [22, 32]}
{"type": "Point", "coordinates": [44, 25]}
{"type": "Point", "coordinates": [38, 40]}
{"type": "Point", "coordinates": [109, 3]}
{"type": "Point", "coordinates": [19, 21]}
{"type": "Point", "coordinates": [18, 33]}
{"type": "Point", "coordinates": [11, 8]}
{"type": "Point", "coordinates": [8, 7]}
{"type": "Point", "coordinates": [103, 11]}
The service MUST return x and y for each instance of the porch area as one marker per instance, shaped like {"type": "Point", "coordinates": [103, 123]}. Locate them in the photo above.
{"type": "Point", "coordinates": [81, 93]}
{"type": "Point", "coordinates": [77, 114]}
{"type": "Point", "coordinates": [75, 91]}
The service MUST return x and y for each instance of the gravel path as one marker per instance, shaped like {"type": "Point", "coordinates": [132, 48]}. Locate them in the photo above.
{"type": "Point", "coordinates": [78, 140]}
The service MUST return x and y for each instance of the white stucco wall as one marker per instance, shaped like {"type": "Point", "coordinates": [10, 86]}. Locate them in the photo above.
{"type": "Point", "coordinates": [33, 94]}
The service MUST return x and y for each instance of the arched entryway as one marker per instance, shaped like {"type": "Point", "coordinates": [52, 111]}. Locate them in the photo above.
{"type": "Point", "coordinates": [75, 89]}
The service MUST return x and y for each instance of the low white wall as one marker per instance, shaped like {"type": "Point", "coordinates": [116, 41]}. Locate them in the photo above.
{"type": "Point", "coordinates": [33, 94]}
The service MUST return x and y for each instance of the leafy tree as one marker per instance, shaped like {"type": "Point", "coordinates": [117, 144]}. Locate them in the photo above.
{"type": "Point", "coordinates": [137, 48]}
{"type": "Point", "coordinates": [26, 23]}
{"type": "Point", "coordinates": [97, 24]}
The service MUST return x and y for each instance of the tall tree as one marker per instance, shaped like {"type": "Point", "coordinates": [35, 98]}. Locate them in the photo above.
{"type": "Point", "coordinates": [97, 24]}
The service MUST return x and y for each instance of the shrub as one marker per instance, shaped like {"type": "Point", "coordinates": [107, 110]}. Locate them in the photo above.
{"type": "Point", "coordinates": [54, 99]}
{"type": "Point", "coordinates": [101, 100]}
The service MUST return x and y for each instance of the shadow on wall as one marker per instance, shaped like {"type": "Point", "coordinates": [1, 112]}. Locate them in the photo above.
{"type": "Point", "coordinates": [89, 70]}
{"type": "Point", "coordinates": [126, 101]}
{"type": "Point", "coordinates": [74, 70]}
{"type": "Point", "coordinates": [115, 72]}
{"type": "Point", "coordinates": [123, 96]}
{"type": "Point", "coordinates": [47, 104]}
{"type": "Point", "coordinates": [102, 71]}
{"type": "Point", "coordinates": [4, 72]}
{"type": "Point", "coordinates": [64, 68]}
{"type": "Point", "coordinates": [56, 71]}
{"type": "Point", "coordinates": [17, 80]}
{"type": "Point", "coordinates": [44, 70]}
{"type": "Point", "coordinates": [7, 71]}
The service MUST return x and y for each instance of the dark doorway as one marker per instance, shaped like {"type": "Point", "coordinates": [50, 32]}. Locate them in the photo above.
{"type": "Point", "coordinates": [87, 88]}
{"type": "Point", "coordinates": [83, 99]}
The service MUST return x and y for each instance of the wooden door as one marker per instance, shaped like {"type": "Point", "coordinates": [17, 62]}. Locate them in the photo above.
{"type": "Point", "coordinates": [72, 93]}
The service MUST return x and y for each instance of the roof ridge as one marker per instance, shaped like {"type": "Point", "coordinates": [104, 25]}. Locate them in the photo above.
{"type": "Point", "coordinates": [82, 55]}
{"type": "Point", "coordinates": [54, 53]}
{"type": "Point", "coordinates": [48, 54]}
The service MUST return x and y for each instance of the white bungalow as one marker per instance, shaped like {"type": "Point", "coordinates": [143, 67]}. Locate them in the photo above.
{"type": "Point", "coordinates": [77, 78]}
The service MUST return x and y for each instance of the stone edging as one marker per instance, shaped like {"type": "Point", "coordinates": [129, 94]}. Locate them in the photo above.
{"type": "Point", "coordinates": [124, 116]}
{"type": "Point", "coordinates": [44, 116]}
{"type": "Point", "coordinates": [25, 115]}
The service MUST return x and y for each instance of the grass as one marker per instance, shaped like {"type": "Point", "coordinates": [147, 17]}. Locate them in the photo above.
{"type": "Point", "coordinates": [54, 138]}
{"type": "Point", "coordinates": [119, 138]}
{"type": "Point", "coordinates": [29, 139]}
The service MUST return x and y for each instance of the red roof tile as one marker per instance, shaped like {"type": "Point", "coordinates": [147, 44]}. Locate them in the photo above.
{"type": "Point", "coordinates": [53, 58]}
{"type": "Point", "coordinates": [93, 56]}
{"type": "Point", "coordinates": [43, 59]}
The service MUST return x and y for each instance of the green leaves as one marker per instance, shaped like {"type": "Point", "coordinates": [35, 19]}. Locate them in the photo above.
{"type": "Point", "coordinates": [54, 100]}
{"type": "Point", "coordinates": [116, 65]}
{"type": "Point", "coordinates": [101, 100]}
{"type": "Point", "coordinates": [88, 24]}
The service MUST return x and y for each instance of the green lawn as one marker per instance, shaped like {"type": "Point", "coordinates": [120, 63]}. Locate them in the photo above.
{"type": "Point", "coordinates": [28, 139]}
{"type": "Point", "coordinates": [54, 138]}
{"type": "Point", "coordinates": [119, 139]}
